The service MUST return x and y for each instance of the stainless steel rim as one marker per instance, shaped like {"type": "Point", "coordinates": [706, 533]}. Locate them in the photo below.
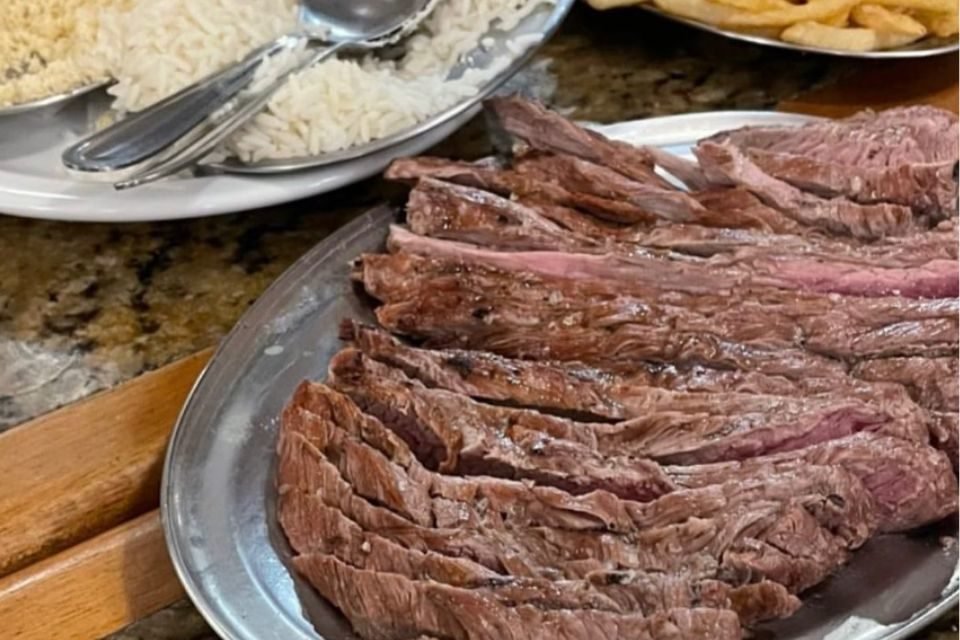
{"type": "Point", "coordinates": [51, 101]}
{"type": "Point", "coordinates": [250, 320]}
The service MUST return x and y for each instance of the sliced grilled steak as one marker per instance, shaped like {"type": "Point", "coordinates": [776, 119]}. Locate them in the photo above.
{"type": "Point", "coordinates": [313, 527]}
{"type": "Point", "coordinates": [454, 212]}
{"type": "Point", "coordinates": [580, 389]}
{"type": "Point", "coordinates": [641, 273]}
{"type": "Point", "coordinates": [912, 483]}
{"type": "Point", "coordinates": [489, 301]}
{"type": "Point", "coordinates": [904, 156]}
{"type": "Point", "coordinates": [788, 528]}
{"type": "Point", "coordinates": [394, 277]}
{"type": "Point", "coordinates": [457, 305]}
{"type": "Point", "coordinates": [383, 606]}
{"type": "Point", "coordinates": [932, 382]}
{"type": "Point", "coordinates": [707, 522]}
{"type": "Point", "coordinates": [929, 189]}
{"type": "Point", "coordinates": [725, 164]}
{"type": "Point", "coordinates": [453, 433]}
{"type": "Point", "coordinates": [545, 130]}
{"type": "Point", "coordinates": [511, 183]}
{"type": "Point", "coordinates": [583, 176]}
{"type": "Point", "coordinates": [644, 591]}
{"type": "Point", "coordinates": [894, 137]}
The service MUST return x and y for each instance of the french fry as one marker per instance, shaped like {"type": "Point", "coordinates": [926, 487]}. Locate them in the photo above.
{"type": "Point", "coordinates": [755, 5]}
{"type": "Point", "coordinates": [822, 36]}
{"type": "Point", "coordinates": [811, 11]}
{"type": "Point", "coordinates": [936, 6]}
{"type": "Point", "coordinates": [941, 25]}
{"type": "Point", "coordinates": [890, 40]}
{"type": "Point", "coordinates": [700, 10]}
{"type": "Point", "coordinates": [840, 19]}
{"type": "Point", "coordinates": [883, 20]}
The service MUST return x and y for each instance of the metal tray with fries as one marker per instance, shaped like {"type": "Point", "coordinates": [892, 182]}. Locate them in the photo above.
{"type": "Point", "coordinates": [852, 28]}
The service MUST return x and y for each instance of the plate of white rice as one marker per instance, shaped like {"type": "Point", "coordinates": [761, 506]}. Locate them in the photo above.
{"type": "Point", "coordinates": [329, 125]}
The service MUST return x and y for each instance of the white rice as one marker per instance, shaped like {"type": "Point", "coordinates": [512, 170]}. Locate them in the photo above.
{"type": "Point", "coordinates": [159, 46]}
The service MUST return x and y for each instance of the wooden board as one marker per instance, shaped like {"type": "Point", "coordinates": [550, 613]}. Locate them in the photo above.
{"type": "Point", "coordinates": [92, 589]}
{"type": "Point", "coordinates": [880, 85]}
{"type": "Point", "coordinates": [90, 466]}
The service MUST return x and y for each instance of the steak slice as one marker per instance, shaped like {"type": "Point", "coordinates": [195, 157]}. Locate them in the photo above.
{"type": "Point", "coordinates": [691, 275]}
{"type": "Point", "coordinates": [904, 156]}
{"type": "Point", "coordinates": [452, 433]}
{"type": "Point", "coordinates": [724, 164]}
{"type": "Point", "coordinates": [548, 131]}
{"type": "Point", "coordinates": [582, 176]}
{"type": "Point", "coordinates": [555, 552]}
{"type": "Point", "coordinates": [383, 606]}
{"type": "Point", "coordinates": [506, 182]}
{"type": "Point", "coordinates": [913, 484]}
{"type": "Point", "coordinates": [787, 528]}
{"type": "Point", "coordinates": [475, 301]}
{"type": "Point", "coordinates": [594, 392]}
{"type": "Point", "coordinates": [932, 382]}
{"type": "Point", "coordinates": [454, 212]}
{"type": "Point", "coordinates": [313, 527]}
{"type": "Point", "coordinates": [621, 348]}
{"type": "Point", "coordinates": [891, 138]}
{"type": "Point", "coordinates": [398, 276]}
{"type": "Point", "coordinates": [929, 189]}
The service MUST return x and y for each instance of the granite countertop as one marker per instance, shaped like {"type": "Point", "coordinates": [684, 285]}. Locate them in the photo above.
{"type": "Point", "coordinates": [85, 307]}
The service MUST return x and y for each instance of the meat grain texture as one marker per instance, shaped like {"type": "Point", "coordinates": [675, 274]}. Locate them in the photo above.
{"type": "Point", "coordinates": [602, 406]}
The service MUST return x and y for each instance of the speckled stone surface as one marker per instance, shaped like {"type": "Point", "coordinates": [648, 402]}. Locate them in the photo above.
{"type": "Point", "coordinates": [84, 307]}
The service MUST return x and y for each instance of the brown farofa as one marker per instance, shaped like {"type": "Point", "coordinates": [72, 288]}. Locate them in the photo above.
{"type": "Point", "coordinates": [46, 47]}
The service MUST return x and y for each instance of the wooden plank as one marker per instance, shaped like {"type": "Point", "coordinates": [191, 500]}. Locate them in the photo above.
{"type": "Point", "coordinates": [88, 467]}
{"type": "Point", "coordinates": [876, 85]}
{"type": "Point", "coordinates": [93, 589]}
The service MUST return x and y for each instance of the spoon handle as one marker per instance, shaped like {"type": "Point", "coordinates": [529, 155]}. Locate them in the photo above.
{"type": "Point", "coordinates": [175, 120]}
{"type": "Point", "coordinates": [248, 105]}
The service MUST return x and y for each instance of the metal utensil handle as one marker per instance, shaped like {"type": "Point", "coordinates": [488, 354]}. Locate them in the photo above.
{"type": "Point", "coordinates": [247, 106]}
{"type": "Point", "coordinates": [145, 134]}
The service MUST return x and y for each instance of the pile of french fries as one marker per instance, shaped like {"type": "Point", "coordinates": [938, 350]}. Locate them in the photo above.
{"type": "Point", "coordinates": [846, 25]}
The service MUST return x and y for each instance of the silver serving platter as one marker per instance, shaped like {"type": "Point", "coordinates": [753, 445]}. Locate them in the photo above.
{"type": "Point", "coordinates": [924, 48]}
{"type": "Point", "coordinates": [541, 23]}
{"type": "Point", "coordinates": [50, 101]}
{"type": "Point", "coordinates": [218, 497]}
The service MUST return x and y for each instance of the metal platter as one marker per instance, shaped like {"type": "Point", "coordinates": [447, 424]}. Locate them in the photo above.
{"type": "Point", "coordinates": [924, 48]}
{"type": "Point", "coordinates": [218, 497]}
{"type": "Point", "coordinates": [540, 24]}
{"type": "Point", "coordinates": [54, 100]}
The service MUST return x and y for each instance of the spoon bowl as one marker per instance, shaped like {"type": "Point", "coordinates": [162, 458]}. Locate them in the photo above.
{"type": "Point", "coordinates": [336, 21]}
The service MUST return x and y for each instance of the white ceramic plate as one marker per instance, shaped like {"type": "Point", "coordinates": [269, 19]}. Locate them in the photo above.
{"type": "Point", "coordinates": [34, 184]}
{"type": "Point", "coordinates": [218, 497]}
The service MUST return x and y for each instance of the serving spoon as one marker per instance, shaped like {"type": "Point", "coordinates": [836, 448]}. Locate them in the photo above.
{"type": "Point", "coordinates": [181, 130]}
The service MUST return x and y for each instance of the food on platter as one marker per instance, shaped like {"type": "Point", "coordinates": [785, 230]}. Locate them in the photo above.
{"type": "Point", "coordinates": [843, 25]}
{"type": "Point", "coordinates": [153, 48]}
{"type": "Point", "coordinates": [616, 393]}
{"type": "Point", "coordinates": [45, 47]}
